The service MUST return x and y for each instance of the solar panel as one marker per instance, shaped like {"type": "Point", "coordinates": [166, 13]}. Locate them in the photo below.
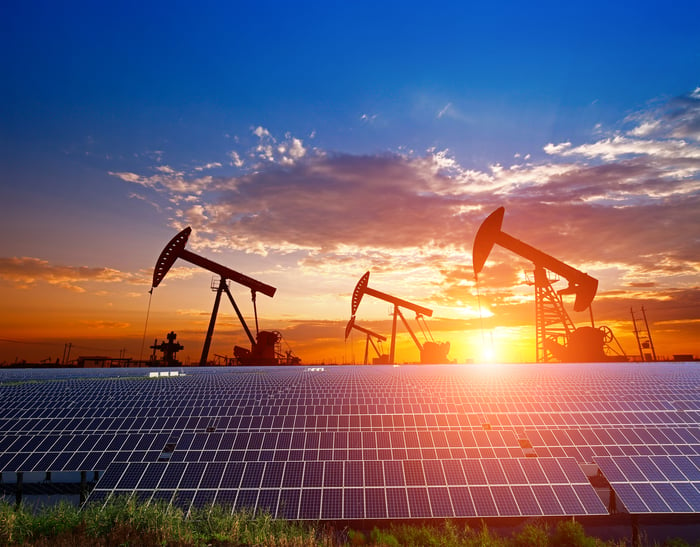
{"type": "Point", "coordinates": [654, 484]}
{"type": "Point", "coordinates": [367, 485]}
{"type": "Point", "coordinates": [378, 442]}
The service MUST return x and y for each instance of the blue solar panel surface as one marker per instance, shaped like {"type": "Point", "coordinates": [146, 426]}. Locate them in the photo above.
{"type": "Point", "coordinates": [381, 442]}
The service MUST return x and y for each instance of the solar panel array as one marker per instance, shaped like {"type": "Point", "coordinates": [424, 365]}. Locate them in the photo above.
{"type": "Point", "coordinates": [354, 442]}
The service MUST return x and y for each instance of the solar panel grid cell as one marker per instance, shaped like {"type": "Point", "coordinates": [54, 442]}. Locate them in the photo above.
{"type": "Point", "coordinates": [353, 503]}
{"type": "Point", "coordinates": [375, 503]}
{"type": "Point", "coordinates": [484, 504]}
{"type": "Point", "coordinates": [313, 474]}
{"type": "Point", "coordinates": [547, 500]}
{"type": "Point", "coordinates": [527, 502]}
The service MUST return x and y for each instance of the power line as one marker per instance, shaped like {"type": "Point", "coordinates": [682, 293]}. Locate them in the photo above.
{"type": "Point", "coordinates": [28, 342]}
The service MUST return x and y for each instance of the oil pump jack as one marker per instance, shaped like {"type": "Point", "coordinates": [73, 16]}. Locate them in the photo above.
{"type": "Point", "coordinates": [557, 337]}
{"type": "Point", "coordinates": [263, 347]}
{"type": "Point", "coordinates": [431, 352]}
{"type": "Point", "coordinates": [382, 358]}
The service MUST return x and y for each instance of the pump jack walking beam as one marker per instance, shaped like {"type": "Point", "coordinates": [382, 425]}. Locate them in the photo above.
{"type": "Point", "coordinates": [176, 249]}
{"type": "Point", "coordinates": [582, 285]}
{"type": "Point", "coordinates": [361, 289]}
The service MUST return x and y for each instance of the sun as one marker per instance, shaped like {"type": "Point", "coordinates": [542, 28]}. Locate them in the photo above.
{"type": "Point", "coordinates": [487, 347]}
{"type": "Point", "coordinates": [487, 354]}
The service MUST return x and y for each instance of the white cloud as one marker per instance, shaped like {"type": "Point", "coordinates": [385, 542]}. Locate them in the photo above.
{"type": "Point", "coordinates": [261, 132]}
{"type": "Point", "coordinates": [285, 152]}
{"type": "Point", "coordinates": [195, 216]}
{"type": "Point", "coordinates": [444, 110]}
{"type": "Point", "coordinates": [212, 165]}
{"type": "Point", "coordinates": [236, 159]}
{"type": "Point", "coordinates": [176, 183]}
{"type": "Point", "coordinates": [554, 149]}
{"type": "Point", "coordinates": [297, 150]}
{"type": "Point", "coordinates": [618, 146]}
{"type": "Point", "coordinates": [645, 129]}
{"type": "Point", "coordinates": [154, 204]}
{"type": "Point", "coordinates": [131, 177]}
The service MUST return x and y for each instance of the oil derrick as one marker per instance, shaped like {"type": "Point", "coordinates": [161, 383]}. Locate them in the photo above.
{"type": "Point", "coordinates": [431, 352]}
{"type": "Point", "coordinates": [263, 344]}
{"type": "Point", "coordinates": [557, 337]}
{"type": "Point", "coordinates": [169, 350]}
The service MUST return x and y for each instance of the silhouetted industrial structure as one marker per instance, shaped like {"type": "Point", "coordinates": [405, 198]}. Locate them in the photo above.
{"type": "Point", "coordinates": [169, 350]}
{"type": "Point", "coordinates": [643, 336]}
{"type": "Point", "coordinates": [265, 345]}
{"type": "Point", "coordinates": [557, 336]}
{"type": "Point", "coordinates": [431, 352]}
{"type": "Point", "coordinates": [381, 358]}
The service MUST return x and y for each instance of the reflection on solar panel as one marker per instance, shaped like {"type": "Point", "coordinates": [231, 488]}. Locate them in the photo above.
{"type": "Point", "coordinates": [381, 442]}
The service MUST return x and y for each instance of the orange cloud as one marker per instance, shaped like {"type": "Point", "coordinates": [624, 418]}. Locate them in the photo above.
{"type": "Point", "coordinates": [24, 272]}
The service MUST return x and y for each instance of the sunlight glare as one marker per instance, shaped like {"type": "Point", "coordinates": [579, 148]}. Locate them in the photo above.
{"type": "Point", "coordinates": [488, 355]}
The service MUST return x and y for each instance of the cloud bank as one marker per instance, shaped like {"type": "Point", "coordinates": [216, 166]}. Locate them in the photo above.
{"type": "Point", "coordinates": [630, 198]}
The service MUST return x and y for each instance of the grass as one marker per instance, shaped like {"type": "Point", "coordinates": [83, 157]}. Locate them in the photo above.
{"type": "Point", "coordinates": [125, 522]}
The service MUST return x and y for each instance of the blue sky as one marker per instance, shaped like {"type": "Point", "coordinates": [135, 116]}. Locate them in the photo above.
{"type": "Point", "coordinates": [124, 123]}
{"type": "Point", "coordinates": [507, 76]}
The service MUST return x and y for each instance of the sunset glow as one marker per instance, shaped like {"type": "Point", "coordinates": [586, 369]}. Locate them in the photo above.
{"type": "Point", "coordinates": [303, 150]}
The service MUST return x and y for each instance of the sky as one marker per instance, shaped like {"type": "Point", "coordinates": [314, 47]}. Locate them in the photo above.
{"type": "Point", "coordinates": [308, 143]}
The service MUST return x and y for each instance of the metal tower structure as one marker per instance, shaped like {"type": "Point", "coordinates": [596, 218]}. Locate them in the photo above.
{"type": "Point", "coordinates": [552, 323]}
{"type": "Point", "coordinates": [643, 336]}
